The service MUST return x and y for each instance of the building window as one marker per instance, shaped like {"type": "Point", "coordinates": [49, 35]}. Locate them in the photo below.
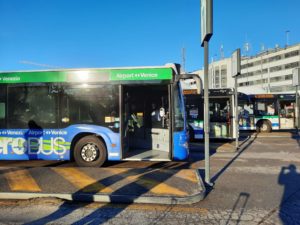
{"type": "Point", "coordinates": [275, 68]}
{"type": "Point", "coordinates": [288, 77]}
{"type": "Point", "coordinates": [217, 78]}
{"type": "Point", "coordinates": [275, 58]}
{"type": "Point", "coordinates": [291, 54]}
{"type": "Point", "coordinates": [291, 65]}
{"type": "Point", "coordinates": [223, 76]}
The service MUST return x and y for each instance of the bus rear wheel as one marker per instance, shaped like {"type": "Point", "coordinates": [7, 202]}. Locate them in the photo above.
{"type": "Point", "coordinates": [90, 151]}
{"type": "Point", "coordinates": [264, 126]}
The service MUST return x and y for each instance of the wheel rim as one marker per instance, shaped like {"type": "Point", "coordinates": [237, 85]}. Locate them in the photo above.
{"type": "Point", "coordinates": [89, 152]}
{"type": "Point", "coordinates": [264, 127]}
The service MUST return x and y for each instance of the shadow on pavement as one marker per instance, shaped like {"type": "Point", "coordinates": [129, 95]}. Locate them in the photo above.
{"type": "Point", "coordinates": [243, 148]}
{"type": "Point", "coordinates": [106, 212]}
{"type": "Point", "coordinates": [289, 207]}
{"type": "Point", "coordinates": [288, 210]}
{"type": "Point", "coordinates": [238, 208]}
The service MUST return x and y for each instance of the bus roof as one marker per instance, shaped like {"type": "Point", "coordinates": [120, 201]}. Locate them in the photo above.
{"type": "Point", "coordinates": [120, 74]}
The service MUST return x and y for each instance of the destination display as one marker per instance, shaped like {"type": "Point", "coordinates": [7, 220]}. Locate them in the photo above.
{"type": "Point", "coordinates": [103, 75]}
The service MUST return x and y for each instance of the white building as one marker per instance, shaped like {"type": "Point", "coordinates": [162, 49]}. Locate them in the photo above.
{"type": "Point", "coordinates": [268, 72]}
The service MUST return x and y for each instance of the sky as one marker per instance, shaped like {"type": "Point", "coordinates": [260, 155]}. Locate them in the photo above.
{"type": "Point", "coordinates": [53, 34]}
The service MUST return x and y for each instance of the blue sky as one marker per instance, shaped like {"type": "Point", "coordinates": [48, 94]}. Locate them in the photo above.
{"type": "Point", "coordinates": [114, 33]}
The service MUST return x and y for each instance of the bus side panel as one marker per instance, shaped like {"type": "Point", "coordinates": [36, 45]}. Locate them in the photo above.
{"type": "Point", "coordinates": [30, 144]}
{"type": "Point", "coordinates": [52, 144]}
{"type": "Point", "coordinates": [274, 120]}
{"type": "Point", "coordinates": [111, 139]}
{"type": "Point", "coordinates": [180, 143]}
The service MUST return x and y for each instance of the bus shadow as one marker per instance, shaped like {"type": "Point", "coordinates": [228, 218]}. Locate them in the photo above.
{"type": "Point", "coordinates": [107, 211]}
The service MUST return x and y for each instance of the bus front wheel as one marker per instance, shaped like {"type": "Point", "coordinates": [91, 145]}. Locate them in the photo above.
{"type": "Point", "coordinates": [264, 126]}
{"type": "Point", "coordinates": [90, 151]}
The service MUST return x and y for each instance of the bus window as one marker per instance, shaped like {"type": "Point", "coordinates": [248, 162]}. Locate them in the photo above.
{"type": "Point", "coordinates": [266, 108]}
{"type": "Point", "coordinates": [2, 110]}
{"type": "Point", "coordinates": [179, 120]}
{"type": "Point", "coordinates": [2, 107]}
{"type": "Point", "coordinates": [93, 104]}
{"type": "Point", "coordinates": [31, 105]}
{"type": "Point", "coordinates": [219, 110]}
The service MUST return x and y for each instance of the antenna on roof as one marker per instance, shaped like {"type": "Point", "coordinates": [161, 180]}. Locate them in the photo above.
{"type": "Point", "coordinates": [287, 33]}
{"type": "Point", "coordinates": [262, 47]}
{"type": "Point", "coordinates": [39, 64]}
{"type": "Point", "coordinates": [183, 59]}
{"type": "Point", "coordinates": [222, 51]}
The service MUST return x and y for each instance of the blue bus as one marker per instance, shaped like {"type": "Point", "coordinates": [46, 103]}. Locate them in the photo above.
{"type": "Point", "coordinates": [94, 115]}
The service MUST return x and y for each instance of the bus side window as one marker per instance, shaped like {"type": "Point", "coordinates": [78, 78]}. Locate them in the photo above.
{"type": "Point", "coordinates": [2, 114]}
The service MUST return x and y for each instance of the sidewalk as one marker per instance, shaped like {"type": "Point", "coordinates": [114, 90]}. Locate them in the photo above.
{"type": "Point", "coordinates": [119, 185]}
{"type": "Point", "coordinates": [218, 145]}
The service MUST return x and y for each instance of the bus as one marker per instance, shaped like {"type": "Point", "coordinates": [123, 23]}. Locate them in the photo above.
{"type": "Point", "coordinates": [94, 115]}
{"type": "Point", "coordinates": [221, 113]}
{"type": "Point", "coordinates": [267, 112]}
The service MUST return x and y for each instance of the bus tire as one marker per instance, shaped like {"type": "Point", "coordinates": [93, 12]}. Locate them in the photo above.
{"type": "Point", "coordinates": [90, 151]}
{"type": "Point", "coordinates": [264, 126]}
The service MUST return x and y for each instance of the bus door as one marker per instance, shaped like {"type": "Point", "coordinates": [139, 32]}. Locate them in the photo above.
{"type": "Point", "coordinates": [286, 114]}
{"type": "Point", "coordinates": [146, 123]}
{"type": "Point", "coordinates": [220, 111]}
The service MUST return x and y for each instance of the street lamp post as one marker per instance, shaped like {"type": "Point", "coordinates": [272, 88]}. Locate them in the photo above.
{"type": "Point", "coordinates": [296, 83]}
{"type": "Point", "coordinates": [236, 70]}
{"type": "Point", "coordinates": [206, 9]}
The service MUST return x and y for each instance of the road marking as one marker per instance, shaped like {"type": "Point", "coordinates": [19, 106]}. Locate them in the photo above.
{"type": "Point", "coordinates": [149, 207]}
{"type": "Point", "coordinates": [154, 186]}
{"type": "Point", "coordinates": [186, 174]}
{"type": "Point", "coordinates": [82, 181]}
{"type": "Point", "coordinates": [21, 180]}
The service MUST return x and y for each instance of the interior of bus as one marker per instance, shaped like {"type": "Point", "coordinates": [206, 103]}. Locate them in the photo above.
{"type": "Point", "coordinates": [220, 116]}
{"type": "Point", "coordinates": [146, 129]}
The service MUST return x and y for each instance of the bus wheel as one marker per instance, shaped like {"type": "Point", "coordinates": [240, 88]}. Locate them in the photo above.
{"type": "Point", "coordinates": [90, 151]}
{"type": "Point", "coordinates": [264, 126]}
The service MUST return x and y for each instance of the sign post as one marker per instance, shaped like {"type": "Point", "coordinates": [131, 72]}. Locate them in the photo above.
{"type": "Point", "coordinates": [296, 83]}
{"type": "Point", "coordinates": [206, 9]}
{"type": "Point", "coordinates": [236, 70]}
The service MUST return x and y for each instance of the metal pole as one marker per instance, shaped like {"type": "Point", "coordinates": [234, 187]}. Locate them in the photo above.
{"type": "Point", "coordinates": [236, 114]}
{"type": "Point", "coordinates": [297, 110]}
{"type": "Point", "coordinates": [206, 115]}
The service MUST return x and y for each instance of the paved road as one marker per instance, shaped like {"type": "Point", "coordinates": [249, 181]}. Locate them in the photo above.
{"type": "Point", "coordinates": [260, 184]}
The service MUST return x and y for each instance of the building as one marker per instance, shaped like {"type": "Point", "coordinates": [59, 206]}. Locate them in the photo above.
{"type": "Point", "coordinates": [267, 72]}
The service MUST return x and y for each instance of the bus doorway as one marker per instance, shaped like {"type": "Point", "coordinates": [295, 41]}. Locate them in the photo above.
{"type": "Point", "coordinates": [221, 111]}
{"type": "Point", "coordinates": [286, 112]}
{"type": "Point", "coordinates": [146, 133]}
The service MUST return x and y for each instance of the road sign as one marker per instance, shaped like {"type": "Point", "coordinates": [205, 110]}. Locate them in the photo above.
{"type": "Point", "coordinates": [206, 10]}
{"type": "Point", "coordinates": [236, 63]}
{"type": "Point", "coordinates": [296, 77]}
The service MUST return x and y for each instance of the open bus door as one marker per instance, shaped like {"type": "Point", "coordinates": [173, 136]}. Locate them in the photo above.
{"type": "Point", "coordinates": [221, 113]}
{"type": "Point", "coordinates": [286, 111]}
{"type": "Point", "coordinates": [146, 132]}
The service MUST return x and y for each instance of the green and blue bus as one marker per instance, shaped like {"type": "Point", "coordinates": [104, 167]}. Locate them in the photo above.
{"type": "Point", "coordinates": [94, 115]}
{"type": "Point", "coordinates": [267, 112]}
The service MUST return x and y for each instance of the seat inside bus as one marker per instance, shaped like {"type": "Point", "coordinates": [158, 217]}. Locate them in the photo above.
{"type": "Point", "coordinates": [146, 133]}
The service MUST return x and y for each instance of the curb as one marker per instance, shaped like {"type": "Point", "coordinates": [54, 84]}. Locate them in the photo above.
{"type": "Point", "coordinates": [107, 198]}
